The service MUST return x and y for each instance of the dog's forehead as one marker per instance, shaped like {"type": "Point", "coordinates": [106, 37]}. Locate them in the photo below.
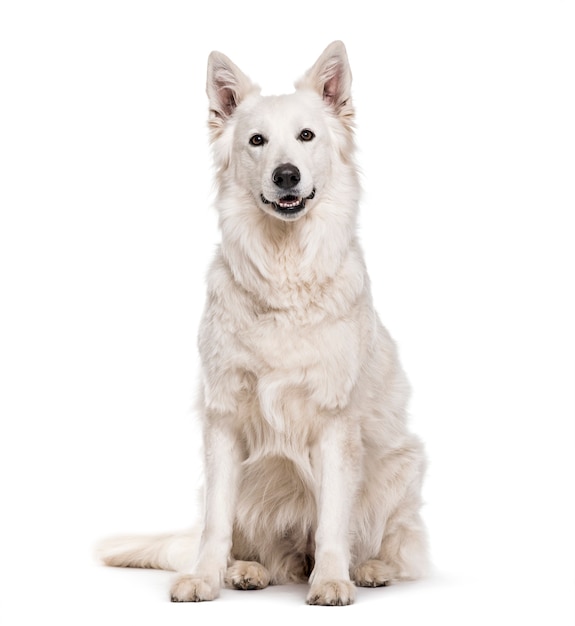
{"type": "Point", "coordinates": [283, 111]}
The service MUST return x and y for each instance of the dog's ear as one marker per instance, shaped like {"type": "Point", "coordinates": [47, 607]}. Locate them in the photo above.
{"type": "Point", "coordinates": [226, 86]}
{"type": "Point", "coordinates": [330, 76]}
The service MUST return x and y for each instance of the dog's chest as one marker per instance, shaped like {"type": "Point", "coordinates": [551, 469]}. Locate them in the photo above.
{"type": "Point", "coordinates": [281, 363]}
{"type": "Point", "coordinates": [299, 369]}
{"type": "Point", "coordinates": [282, 342]}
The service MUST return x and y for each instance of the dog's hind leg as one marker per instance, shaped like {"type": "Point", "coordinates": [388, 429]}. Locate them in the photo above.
{"type": "Point", "coordinates": [402, 556]}
{"type": "Point", "coordinates": [373, 573]}
{"type": "Point", "coordinates": [247, 575]}
{"type": "Point", "coordinates": [404, 548]}
{"type": "Point", "coordinates": [402, 552]}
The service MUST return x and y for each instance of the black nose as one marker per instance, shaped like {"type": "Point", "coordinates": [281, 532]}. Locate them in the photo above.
{"type": "Point", "coordinates": [286, 176]}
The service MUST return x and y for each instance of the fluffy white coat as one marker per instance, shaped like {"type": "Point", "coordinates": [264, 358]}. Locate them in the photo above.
{"type": "Point", "coordinates": [311, 472]}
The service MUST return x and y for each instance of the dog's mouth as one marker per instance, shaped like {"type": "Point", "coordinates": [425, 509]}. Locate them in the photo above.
{"type": "Point", "coordinates": [289, 205]}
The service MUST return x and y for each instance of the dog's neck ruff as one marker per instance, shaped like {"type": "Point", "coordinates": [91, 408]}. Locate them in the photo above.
{"type": "Point", "coordinates": [292, 264]}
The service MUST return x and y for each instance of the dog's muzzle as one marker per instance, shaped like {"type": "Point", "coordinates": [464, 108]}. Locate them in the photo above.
{"type": "Point", "coordinates": [288, 205]}
{"type": "Point", "coordinates": [286, 178]}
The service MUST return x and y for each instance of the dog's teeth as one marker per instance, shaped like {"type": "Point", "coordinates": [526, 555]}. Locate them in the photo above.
{"type": "Point", "coordinates": [288, 205]}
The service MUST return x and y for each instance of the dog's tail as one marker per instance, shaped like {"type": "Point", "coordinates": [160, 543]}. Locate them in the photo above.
{"type": "Point", "coordinates": [174, 552]}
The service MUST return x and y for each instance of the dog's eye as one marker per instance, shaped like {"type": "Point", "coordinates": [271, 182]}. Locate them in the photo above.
{"type": "Point", "coordinates": [257, 140]}
{"type": "Point", "coordinates": [306, 135]}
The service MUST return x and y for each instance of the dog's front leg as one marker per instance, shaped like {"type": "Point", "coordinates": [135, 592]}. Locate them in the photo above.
{"type": "Point", "coordinates": [336, 465]}
{"type": "Point", "coordinates": [222, 467]}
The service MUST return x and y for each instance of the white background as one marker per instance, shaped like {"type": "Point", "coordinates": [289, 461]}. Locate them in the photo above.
{"type": "Point", "coordinates": [466, 134]}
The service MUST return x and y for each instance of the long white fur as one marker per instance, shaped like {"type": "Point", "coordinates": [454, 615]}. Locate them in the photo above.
{"type": "Point", "coordinates": [310, 469]}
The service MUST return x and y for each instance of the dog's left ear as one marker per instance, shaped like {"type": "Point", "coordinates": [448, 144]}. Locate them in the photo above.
{"type": "Point", "coordinates": [330, 76]}
{"type": "Point", "coordinates": [226, 87]}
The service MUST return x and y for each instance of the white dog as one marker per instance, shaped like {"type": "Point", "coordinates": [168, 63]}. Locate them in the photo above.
{"type": "Point", "coordinates": [311, 472]}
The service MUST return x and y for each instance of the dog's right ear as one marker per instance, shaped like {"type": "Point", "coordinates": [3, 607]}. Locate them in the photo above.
{"type": "Point", "coordinates": [330, 77]}
{"type": "Point", "coordinates": [226, 86]}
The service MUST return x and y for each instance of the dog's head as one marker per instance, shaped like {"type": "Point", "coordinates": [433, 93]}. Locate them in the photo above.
{"type": "Point", "coordinates": [280, 150]}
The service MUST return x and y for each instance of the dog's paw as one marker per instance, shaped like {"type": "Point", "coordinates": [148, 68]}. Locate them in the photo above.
{"type": "Point", "coordinates": [373, 573]}
{"type": "Point", "coordinates": [331, 593]}
{"type": "Point", "coordinates": [193, 589]}
{"type": "Point", "coordinates": [247, 575]}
